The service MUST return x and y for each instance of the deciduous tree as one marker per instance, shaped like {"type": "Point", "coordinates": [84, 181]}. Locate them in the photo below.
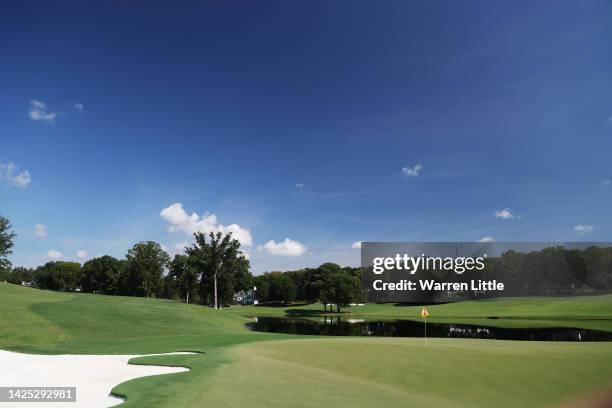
{"type": "Point", "coordinates": [101, 275]}
{"type": "Point", "coordinates": [221, 265]}
{"type": "Point", "coordinates": [146, 262]}
{"type": "Point", "coordinates": [6, 243]}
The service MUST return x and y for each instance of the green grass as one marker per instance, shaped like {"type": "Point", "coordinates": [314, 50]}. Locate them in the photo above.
{"type": "Point", "coordinates": [590, 312]}
{"type": "Point", "coordinates": [394, 372]}
{"type": "Point", "coordinates": [45, 322]}
{"type": "Point", "coordinates": [586, 307]}
{"type": "Point", "coordinates": [49, 322]}
{"type": "Point", "coordinates": [238, 367]}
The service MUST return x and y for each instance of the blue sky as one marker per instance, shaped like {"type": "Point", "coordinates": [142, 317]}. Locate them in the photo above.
{"type": "Point", "coordinates": [324, 123]}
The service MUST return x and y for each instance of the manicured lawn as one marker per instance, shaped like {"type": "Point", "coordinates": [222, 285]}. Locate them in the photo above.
{"type": "Point", "coordinates": [395, 372]}
{"type": "Point", "coordinates": [48, 322]}
{"type": "Point", "coordinates": [242, 368]}
{"type": "Point", "coordinates": [588, 307]}
{"type": "Point", "coordinates": [36, 321]}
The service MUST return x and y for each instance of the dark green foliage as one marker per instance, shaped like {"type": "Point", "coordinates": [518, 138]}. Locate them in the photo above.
{"type": "Point", "coordinates": [182, 279]}
{"type": "Point", "coordinates": [146, 263]}
{"type": "Point", "coordinates": [58, 275]}
{"type": "Point", "coordinates": [282, 288]}
{"type": "Point", "coordinates": [329, 283]}
{"type": "Point", "coordinates": [6, 244]}
{"type": "Point", "coordinates": [552, 271]}
{"type": "Point", "coordinates": [221, 265]}
{"type": "Point", "coordinates": [143, 272]}
{"type": "Point", "coordinates": [101, 275]}
{"type": "Point", "coordinates": [18, 276]}
{"type": "Point", "coordinates": [340, 288]}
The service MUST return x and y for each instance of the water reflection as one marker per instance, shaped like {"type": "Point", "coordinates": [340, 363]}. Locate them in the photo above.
{"type": "Point", "coordinates": [337, 326]}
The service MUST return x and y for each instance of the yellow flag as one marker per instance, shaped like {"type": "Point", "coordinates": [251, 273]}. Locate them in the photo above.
{"type": "Point", "coordinates": [424, 313]}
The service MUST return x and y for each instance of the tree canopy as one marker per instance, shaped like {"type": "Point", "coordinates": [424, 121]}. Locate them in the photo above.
{"type": "Point", "coordinates": [214, 267]}
{"type": "Point", "coordinates": [101, 275]}
{"type": "Point", "coordinates": [58, 275]}
{"type": "Point", "coordinates": [6, 243]}
{"type": "Point", "coordinates": [221, 265]}
{"type": "Point", "coordinates": [146, 263]}
{"type": "Point", "coordinates": [329, 284]}
{"type": "Point", "coordinates": [182, 280]}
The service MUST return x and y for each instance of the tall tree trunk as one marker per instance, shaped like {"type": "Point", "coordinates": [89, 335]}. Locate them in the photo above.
{"type": "Point", "coordinates": [187, 299]}
{"type": "Point", "coordinates": [215, 279]}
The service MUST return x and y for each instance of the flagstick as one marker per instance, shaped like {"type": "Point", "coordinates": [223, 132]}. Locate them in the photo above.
{"type": "Point", "coordinates": [424, 314]}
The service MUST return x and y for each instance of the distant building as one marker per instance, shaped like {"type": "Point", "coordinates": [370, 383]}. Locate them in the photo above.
{"type": "Point", "coordinates": [246, 297]}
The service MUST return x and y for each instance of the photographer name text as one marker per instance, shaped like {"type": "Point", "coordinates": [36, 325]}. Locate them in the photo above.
{"type": "Point", "coordinates": [431, 285]}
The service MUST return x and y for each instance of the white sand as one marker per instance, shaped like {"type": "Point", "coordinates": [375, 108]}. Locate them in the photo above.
{"type": "Point", "coordinates": [93, 375]}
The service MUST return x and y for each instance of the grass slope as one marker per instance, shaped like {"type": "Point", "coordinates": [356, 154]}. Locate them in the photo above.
{"type": "Point", "coordinates": [46, 322]}
{"type": "Point", "coordinates": [239, 368]}
{"type": "Point", "coordinates": [49, 322]}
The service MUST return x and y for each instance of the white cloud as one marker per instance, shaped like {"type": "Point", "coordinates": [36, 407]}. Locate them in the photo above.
{"type": "Point", "coordinates": [9, 174]}
{"type": "Point", "coordinates": [38, 111]}
{"type": "Point", "coordinates": [486, 239]}
{"type": "Point", "coordinates": [78, 106]}
{"type": "Point", "coordinates": [40, 230]}
{"type": "Point", "coordinates": [583, 229]}
{"type": "Point", "coordinates": [606, 182]}
{"type": "Point", "coordinates": [81, 254]}
{"type": "Point", "coordinates": [179, 220]}
{"type": "Point", "coordinates": [412, 171]}
{"type": "Point", "coordinates": [356, 245]}
{"type": "Point", "coordinates": [288, 247]}
{"type": "Point", "coordinates": [505, 213]}
{"type": "Point", "coordinates": [53, 254]}
{"type": "Point", "coordinates": [303, 190]}
{"type": "Point", "coordinates": [22, 179]}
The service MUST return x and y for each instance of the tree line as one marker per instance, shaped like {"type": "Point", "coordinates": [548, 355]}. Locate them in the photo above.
{"type": "Point", "coordinates": [213, 268]}
{"type": "Point", "coordinates": [552, 271]}
{"type": "Point", "coordinates": [555, 270]}
{"type": "Point", "coordinates": [329, 284]}
{"type": "Point", "coordinates": [209, 272]}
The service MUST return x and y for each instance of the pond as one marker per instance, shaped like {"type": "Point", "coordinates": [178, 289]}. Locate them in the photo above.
{"type": "Point", "coordinates": [336, 326]}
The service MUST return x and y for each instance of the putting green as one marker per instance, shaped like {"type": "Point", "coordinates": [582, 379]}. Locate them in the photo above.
{"type": "Point", "coordinates": [396, 372]}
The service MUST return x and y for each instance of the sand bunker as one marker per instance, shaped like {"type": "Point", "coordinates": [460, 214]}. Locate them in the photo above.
{"type": "Point", "coordinates": [93, 375]}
